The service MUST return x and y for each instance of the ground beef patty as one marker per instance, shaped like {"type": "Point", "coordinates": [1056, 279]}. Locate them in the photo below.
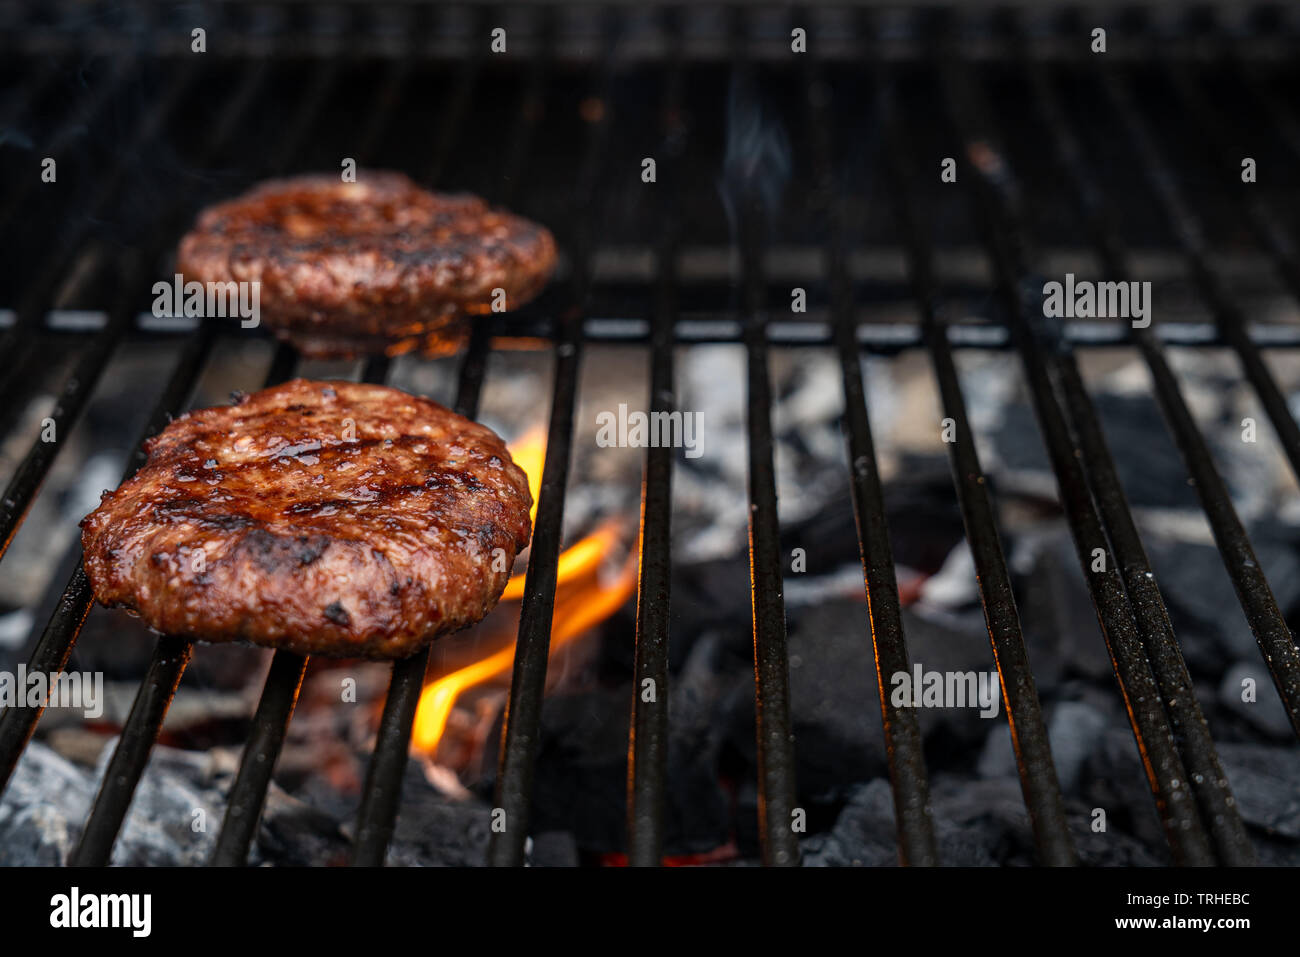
{"type": "Point", "coordinates": [330, 518]}
{"type": "Point", "coordinates": [375, 266]}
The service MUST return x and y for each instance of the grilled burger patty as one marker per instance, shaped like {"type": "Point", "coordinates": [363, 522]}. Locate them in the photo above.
{"type": "Point", "coordinates": [329, 518]}
{"type": "Point", "coordinates": [378, 265]}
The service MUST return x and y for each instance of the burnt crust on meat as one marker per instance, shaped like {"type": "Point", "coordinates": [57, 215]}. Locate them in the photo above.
{"type": "Point", "coordinates": [328, 518]}
{"type": "Point", "coordinates": [375, 266]}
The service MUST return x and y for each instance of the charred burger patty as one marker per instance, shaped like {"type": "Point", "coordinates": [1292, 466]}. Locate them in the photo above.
{"type": "Point", "coordinates": [375, 266]}
{"type": "Point", "coordinates": [328, 518]}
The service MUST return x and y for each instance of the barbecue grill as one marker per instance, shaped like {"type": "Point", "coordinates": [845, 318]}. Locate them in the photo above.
{"type": "Point", "coordinates": [557, 125]}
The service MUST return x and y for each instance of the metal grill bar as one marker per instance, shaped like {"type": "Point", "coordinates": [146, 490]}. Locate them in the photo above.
{"type": "Point", "coordinates": [777, 794]}
{"type": "Point", "coordinates": [50, 656]}
{"type": "Point", "coordinates": [1165, 771]}
{"type": "Point", "coordinates": [383, 787]}
{"type": "Point", "coordinates": [1253, 591]}
{"type": "Point", "coordinates": [522, 718]}
{"type": "Point", "coordinates": [76, 391]}
{"type": "Point", "coordinates": [883, 338]}
{"type": "Point", "coordinates": [55, 646]}
{"type": "Point", "coordinates": [382, 792]}
{"type": "Point", "coordinates": [648, 733]}
{"type": "Point", "coordinates": [1028, 731]}
{"type": "Point", "coordinates": [377, 815]}
{"type": "Point", "coordinates": [266, 737]}
{"type": "Point", "coordinates": [903, 745]}
{"type": "Point", "coordinates": [1208, 779]}
{"type": "Point", "coordinates": [131, 755]}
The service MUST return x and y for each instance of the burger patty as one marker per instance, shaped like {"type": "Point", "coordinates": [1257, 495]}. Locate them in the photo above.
{"type": "Point", "coordinates": [378, 265]}
{"type": "Point", "coordinates": [329, 518]}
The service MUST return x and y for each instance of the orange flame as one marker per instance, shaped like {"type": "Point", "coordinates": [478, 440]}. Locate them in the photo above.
{"type": "Point", "coordinates": [529, 453]}
{"type": "Point", "coordinates": [583, 599]}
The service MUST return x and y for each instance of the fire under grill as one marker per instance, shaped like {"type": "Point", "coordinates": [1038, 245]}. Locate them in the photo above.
{"type": "Point", "coordinates": [777, 174]}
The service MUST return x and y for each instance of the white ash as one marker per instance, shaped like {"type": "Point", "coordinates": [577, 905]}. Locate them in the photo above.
{"type": "Point", "coordinates": [955, 584]}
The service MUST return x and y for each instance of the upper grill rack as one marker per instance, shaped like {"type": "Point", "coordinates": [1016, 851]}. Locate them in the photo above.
{"type": "Point", "coordinates": [281, 79]}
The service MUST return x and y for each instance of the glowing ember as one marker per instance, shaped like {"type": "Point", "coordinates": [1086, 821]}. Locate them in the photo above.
{"type": "Point", "coordinates": [583, 599]}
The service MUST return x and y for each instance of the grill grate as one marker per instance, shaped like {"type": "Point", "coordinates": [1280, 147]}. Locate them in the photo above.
{"type": "Point", "coordinates": [1037, 773]}
{"type": "Point", "coordinates": [1151, 723]}
{"type": "Point", "coordinates": [285, 69]}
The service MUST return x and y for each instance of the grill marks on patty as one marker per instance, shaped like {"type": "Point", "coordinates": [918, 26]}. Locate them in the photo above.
{"type": "Point", "coordinates": [331, 518]}
{"type": "Point", "coordinates": [378, 265]}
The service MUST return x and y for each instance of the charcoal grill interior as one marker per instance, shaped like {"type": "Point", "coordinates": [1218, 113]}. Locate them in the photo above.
{"type": "Point", "coordinates": [1057, 147]}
